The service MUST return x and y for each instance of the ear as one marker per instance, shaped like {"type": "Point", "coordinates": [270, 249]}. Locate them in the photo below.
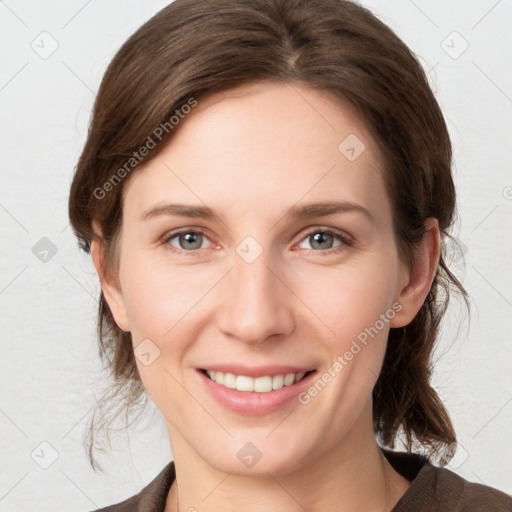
{"type": "Point", "coordinates": [111, 290]}
{"type": "Point", "coordinates": [415, 284]}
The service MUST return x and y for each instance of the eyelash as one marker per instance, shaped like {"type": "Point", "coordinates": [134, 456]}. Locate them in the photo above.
{"type": "Point", "coordinates": [346, 240]}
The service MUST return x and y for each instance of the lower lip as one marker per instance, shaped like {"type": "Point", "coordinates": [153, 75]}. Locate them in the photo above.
{"type": "Point", "coordinates": [253, 403]}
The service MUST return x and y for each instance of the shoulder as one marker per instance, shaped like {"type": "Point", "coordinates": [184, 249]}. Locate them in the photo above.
{"type": "Point", "coordinates": [468, 496]}
{"type": "Point", "coordinates": [436, 489]}
{"type": "Point", "coordinates": [151, 498]}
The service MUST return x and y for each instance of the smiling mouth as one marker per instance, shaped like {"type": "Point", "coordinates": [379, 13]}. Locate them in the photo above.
{"type": "Point", "coordinates": [263, 384]}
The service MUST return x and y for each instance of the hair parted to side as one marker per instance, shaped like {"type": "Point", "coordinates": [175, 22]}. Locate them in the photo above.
{"type": "Point", "coordinates": [194, 48]}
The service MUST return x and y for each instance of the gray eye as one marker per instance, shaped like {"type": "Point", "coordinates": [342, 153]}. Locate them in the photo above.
{"type": "Point", "coordinates": [321, 240]}
{"type": "Point", "coordinates": [189, 240]}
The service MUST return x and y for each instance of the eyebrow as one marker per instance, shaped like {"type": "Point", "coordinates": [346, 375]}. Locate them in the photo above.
{"type": "Point", "coordinates": [297, 212]}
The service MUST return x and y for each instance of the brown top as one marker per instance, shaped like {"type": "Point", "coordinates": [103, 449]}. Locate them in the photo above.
{"type": "Point", "coordinates": [432, 489]}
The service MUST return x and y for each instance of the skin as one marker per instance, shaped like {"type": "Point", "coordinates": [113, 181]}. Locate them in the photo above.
{"type": "Point", "coordinates": [250, 154]}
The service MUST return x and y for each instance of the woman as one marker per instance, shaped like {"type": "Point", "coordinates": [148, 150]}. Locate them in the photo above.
{"type": "Point", "coordinates": [229, 141]}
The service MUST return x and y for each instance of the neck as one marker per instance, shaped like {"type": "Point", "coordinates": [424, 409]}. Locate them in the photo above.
{"type": "Point", "coordinates": [354, 476]}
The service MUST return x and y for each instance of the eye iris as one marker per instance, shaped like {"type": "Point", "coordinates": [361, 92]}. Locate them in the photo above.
{"type": "Point", "coordinates": [318, 238]}
{"type": "Point", "coordinates": [195, 240]}
{"type": "Point", "coordinates": [191, 238]}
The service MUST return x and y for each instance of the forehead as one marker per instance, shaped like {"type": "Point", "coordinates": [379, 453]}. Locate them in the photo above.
{"type": "Point", "coordinates": [263, 145]}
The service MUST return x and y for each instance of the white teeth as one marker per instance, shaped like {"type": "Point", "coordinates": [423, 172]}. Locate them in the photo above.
{"type": "Point", "coordinates": [244, 383]}
{"type": "Point", "coordinates": [289, 379]}
{"type": "Point", "coordinates": [299, 376]}
{"type": "Point", "coordinates": [277, 381]}
{"type": "Point", "coordinates": [229, 380]}
{"type": "Point", "coordinates": [263, 384]}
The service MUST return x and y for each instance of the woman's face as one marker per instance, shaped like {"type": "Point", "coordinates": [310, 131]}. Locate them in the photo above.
{"type": "Point", "coordinates": [261, 283]}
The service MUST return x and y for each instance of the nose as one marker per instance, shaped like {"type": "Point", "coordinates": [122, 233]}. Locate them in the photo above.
{"type": "Point", "coordinates": [254, 301]}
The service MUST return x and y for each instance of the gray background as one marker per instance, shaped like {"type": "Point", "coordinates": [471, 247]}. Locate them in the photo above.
{"type": "Point", "coordinates": [50, 374]}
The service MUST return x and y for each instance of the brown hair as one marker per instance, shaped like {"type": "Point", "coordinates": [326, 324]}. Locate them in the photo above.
{"type": "Point", "coordinates": [193, 48]}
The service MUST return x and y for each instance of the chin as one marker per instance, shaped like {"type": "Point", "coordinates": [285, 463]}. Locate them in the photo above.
{"type": "Point", "coordinates": [254, 459]}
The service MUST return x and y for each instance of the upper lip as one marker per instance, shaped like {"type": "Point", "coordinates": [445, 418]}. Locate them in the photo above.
{"type": "Point", "coordinates": [257, 371]}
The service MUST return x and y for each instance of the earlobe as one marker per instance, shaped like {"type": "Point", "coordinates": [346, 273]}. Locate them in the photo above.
{"type": "Point", "coordinates": [111, 291]}
{"type": "Point", "coordinates": [417, 282]}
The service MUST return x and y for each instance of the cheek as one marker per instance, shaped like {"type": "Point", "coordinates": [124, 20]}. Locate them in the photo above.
{"type": "Point", "coordinates": [158, 297]}
{"type": "Point", "coordinates": [164, 304]}
{"type": "Point", "coordinates": [350, 299]}
{"type": "Point", "coordinates": [356, 304]}
{"type": "Point", "coordinates": [158, 301]}
{"type": "Point", "coordinates": [160, 305]}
